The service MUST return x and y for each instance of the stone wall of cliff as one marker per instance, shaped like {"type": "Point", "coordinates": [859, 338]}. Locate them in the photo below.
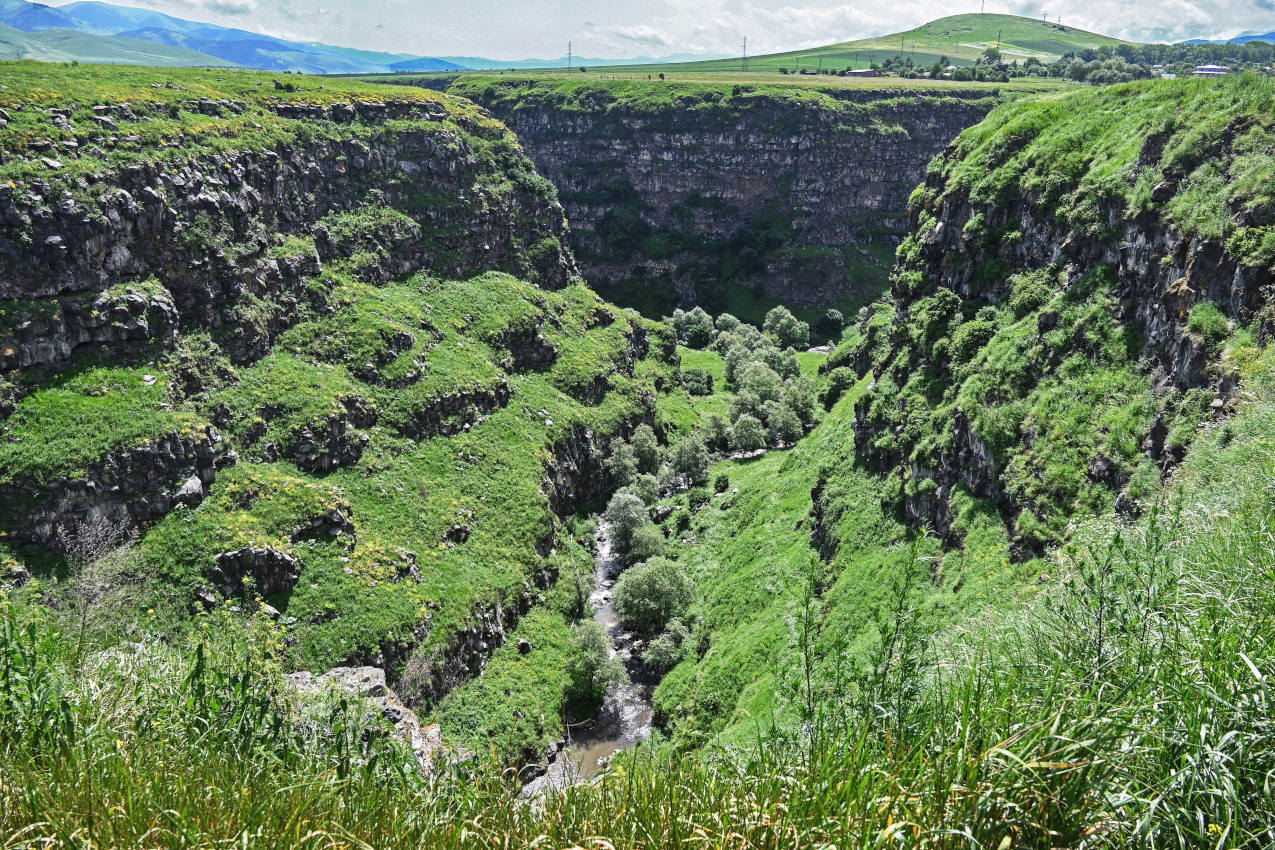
{"type": "Point", "coordinates": [1071, 308]}
{"type": "Point", "coordinates": [679, 194]}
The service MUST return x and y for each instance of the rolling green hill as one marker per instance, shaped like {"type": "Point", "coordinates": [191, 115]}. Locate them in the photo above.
{"type": "Point", "coordinates": [961, 38]}
{"type": "Point", "coordinates": [62, 45]}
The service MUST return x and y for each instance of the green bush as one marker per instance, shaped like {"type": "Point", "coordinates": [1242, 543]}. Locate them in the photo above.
{"type": "Point", "coordinates": [649, 595]}
{"type": "Point", "coordinates": [647, 542]}
{"type": "Point", "coordinates": [592, 666]}
{"type": "Point", "coordinates": [747, 434]}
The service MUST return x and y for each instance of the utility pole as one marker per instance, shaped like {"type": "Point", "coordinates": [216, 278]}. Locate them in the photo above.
{"type": "Point", "coordinates": [568, 56]}
{"type": "Point", "coordinates": [745, 54]}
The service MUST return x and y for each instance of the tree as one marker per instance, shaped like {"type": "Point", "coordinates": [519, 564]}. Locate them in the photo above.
{"type": "Point", "coordinates": [647, 542]}
{"type": "Point", "coordinates": [747, 434]}
{"type": "Point", "coordinates": [646, 448]}
{"type": "Point", "coordinates": [650, 595]}
{"type": "Point", "coordinates": [834, 320]}
{"type": "Point", "coordinates": [799, 397]}
{"type": "Point", "coordinates": [665, 651]}
{"type": "Point", "coordinates": [690, 459]}
{"type": "Point", "coordinates": [646, 488]}
{"type": "Point", "coordinates": [783, 423]}
{"type": "Point", "coordinates": [623, 463]}
{"type": "Point", "coordinates": [727, 322]}
{"type": "Point", "coordinates": [786, 329]}
{"type": "Point", "coordinates": [626, 513]}
{"type": "Point", "coordinates": [760, 379]}
{"type": "Point", "coordinates": [592, 666]}
{"type": "Point", "coordinates": [717, 431]}
{"type": "Point", "coordinates": [694, 327]}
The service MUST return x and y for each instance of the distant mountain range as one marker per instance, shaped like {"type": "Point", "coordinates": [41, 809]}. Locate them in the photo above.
{"type": "Point", "coordinates": [93, 31]}
{"type": "Point", "coordinates": [1242, 38]}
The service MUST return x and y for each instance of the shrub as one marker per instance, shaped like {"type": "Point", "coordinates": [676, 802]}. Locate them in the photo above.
{"type": "Point", "coordinates": [666, 650]}
{"type": "Point", "coordinates": [647, 542]}
{"type": "Point", "coordinates": [649, 595]}
{"type": "Point", "coordinates": [592, 665]}
{"type": "Point", "coordinates": [690, 459]}
{"type": "Point", "coordinates": [626, 513]}
{"type": "Point", "coordinates": [747, 434]}
{"type": "Point", "coordinates": [1207, 321]}
{"type": "Point", "coordinates": [721, 482]}
{"type": "Point", "coordinates": [646, 448]}
{"type": "Point", "coordinates": [696, 498]}
{"type": "Point", "coordinates": [839, 380]}
{"type": "Point", "coordinates": [697, 381]}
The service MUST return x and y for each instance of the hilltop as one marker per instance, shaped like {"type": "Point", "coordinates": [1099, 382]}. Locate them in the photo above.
{"type": "Point", "coordinates": [961, 38]}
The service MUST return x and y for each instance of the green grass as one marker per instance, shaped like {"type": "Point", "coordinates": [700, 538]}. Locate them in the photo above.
{"type": "Point", "coordinates": [82, 415]}
{"type": "Point", "coordinates": [1079, 150]}
{"type": "Point", "coordinates": [173, 131]}
{"type": "Point", "coordinates": [1129, 698]}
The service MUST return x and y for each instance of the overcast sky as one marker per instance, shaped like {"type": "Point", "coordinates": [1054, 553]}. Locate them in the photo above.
{"type": "Point", "coordinates": [516, 29]}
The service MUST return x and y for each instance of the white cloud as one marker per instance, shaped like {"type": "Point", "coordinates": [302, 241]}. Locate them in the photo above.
{"type": "Point", "coordinates": [609, 28]}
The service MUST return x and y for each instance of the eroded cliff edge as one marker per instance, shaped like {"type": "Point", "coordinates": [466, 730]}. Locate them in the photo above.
{"type": "Point", "coordinates": [730, 196]}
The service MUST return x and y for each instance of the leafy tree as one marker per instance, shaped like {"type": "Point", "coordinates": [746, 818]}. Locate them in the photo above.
{"type": "Point", "coordinates": [747, 434]}
{"type": "Point", "coordinates": [623, 463]}
{"type": "Point", "coordinates": [834, 320]}
{"type": "Point", "coordinates": [799, 397]}
{"type": "Point", "coordinates": [646, 488]}
{"type": "Point", "coordinates": [626, 513]}
{"type": "Point", "coordinates": [783, 423]}
{"type": "Point", "coordinates": [746, 402]}
{"type": "Point", "coordinates": [764, 382]}
{"type": "Point", "coordinates": [786, 329]}
{"type": "Point", "coordinates": [647, 542]}
{"type": "Point", "coordinates": [690, 459]}
{"type": "Point", "coordinates": [694, 327]}
{"type": "Point", "coordinates": [646, 448]}
{"type": "Point", "coordinates": [592, 666]}
{"type": "Point", "coordinates": [651, 594]}
{"type": "Point", "coordinates": [727, 322]}
{"type": "Point", "coordinates": [717, 431]}
{"type": "Point", "coordinates": [665, 651]}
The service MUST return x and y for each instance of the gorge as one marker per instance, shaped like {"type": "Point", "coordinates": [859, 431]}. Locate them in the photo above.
{"type": "Point", "coordinates": [329, 408]}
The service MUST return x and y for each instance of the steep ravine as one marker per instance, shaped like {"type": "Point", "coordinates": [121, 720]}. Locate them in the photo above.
{"type": "Point", "coordinates": [730, 196]}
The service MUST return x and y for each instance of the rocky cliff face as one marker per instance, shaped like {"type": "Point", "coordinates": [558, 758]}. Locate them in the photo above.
{"type": "Point", "coordinates": [107, 256]}
{"type": "Point", "coordinates": [676, 194]}
{"type": "Point", "coordinates": [1022, 298]}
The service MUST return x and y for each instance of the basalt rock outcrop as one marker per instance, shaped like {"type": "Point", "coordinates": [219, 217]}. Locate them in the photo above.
{"type": "Point", "coordinates": [1166, 295]}
{"type": "Point", "coordinates": [128, 488]}
{"type": "Point", "coordinates": [678, 195]}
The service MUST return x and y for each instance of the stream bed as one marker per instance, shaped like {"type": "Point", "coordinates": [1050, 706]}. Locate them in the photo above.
{"type": "Point", "coordinates": [625, 717]}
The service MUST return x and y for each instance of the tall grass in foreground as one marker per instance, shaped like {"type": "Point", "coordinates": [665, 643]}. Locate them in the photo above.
{"type": "Point", "coordinates": [1128, 707]}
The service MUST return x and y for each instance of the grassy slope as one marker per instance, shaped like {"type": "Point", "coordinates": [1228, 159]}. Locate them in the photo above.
{"type": "Point", "coordinates": [357, 599]}
{"type": "Point", "coordinates": [962, 38]}
{"type": "Point", "coordinates": [1045, 404]}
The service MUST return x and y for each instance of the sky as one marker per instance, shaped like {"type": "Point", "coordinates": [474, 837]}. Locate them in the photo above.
{"type": "Point", "coordinates": [517, 29]}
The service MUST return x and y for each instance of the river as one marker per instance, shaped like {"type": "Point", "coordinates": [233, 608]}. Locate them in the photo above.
{"type": "Point", "coordinates": [625, 717]}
